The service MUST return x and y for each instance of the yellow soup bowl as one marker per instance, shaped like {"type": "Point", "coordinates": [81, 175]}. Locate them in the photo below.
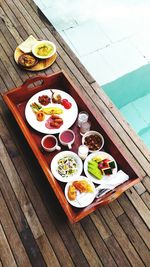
{"type": "Point", "coordinates": [44, 49]}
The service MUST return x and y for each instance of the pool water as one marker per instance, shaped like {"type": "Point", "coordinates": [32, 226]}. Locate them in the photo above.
{"type": "Point", "coordinates": [119, 46]}
{"type": "Point", "coordinates": [131, 94]}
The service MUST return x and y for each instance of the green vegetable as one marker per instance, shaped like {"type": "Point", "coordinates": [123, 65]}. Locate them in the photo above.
{"type": "Point", "coordinates": [35, 107]}
{"type": "Point", "coordinates": [94, 170]}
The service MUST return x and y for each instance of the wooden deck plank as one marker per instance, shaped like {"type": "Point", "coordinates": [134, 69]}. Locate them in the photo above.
{"type": "Point", "coordinates": [116, 208]}
{"type": "Point", "coordinates": [117, 252]}
{"type": "Point", "coordinates": [5, 251]}
{"type": "Point", "coordinates": [140, 205]}
{"type": "Point", "coordinates": [12, 235]}
{"type": "Point", "coordinates": [12, 203]}
{"type": "Point", "coordinates": [146, 198]}
{"type": "Point", "coordinates": [98, 243]}
{"type": "Point", "coordinates": [10, 53]}
{"type": "Point", "coordinates": [140, 188]}
{"type": "Point", "coordinates": [85, 245]}
{"type": "Point", "coordinates": [101, 225]}
{"type": "Point", "coordinates": [109, 239]}
{"type": "Point", "coordinates": [20, 193]}
{"type": "Point", "coordinates": [47, 251]}
{"type": "Point", "coordinates": [21, 222]}
{"type": "Point", "coordinates": [146, 182]}
{"type": "Point", "coordinates": [31, 211]}
{"type": "Point", "coordinates": [135, 219]}
{"type": "Point", "coordinates": [11, 12]}
{"type": "Point", "coordinates": [5, 77]}
{"type": "Point", "coordinates": [10, 26]}
{"type": "Point", "coordinates": [121, 237]}
{"type": "Point", "coordinates": [12, 72]}
{"type": "Point", "coordinates": [49, 227]}
{"type": "Point", "coordinates": [16, 18]}
{"type": "Point", "coordinates": [135, 238]}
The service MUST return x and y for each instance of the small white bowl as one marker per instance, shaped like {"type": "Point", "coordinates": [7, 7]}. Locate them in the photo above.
{"type": "Point", "coordinates": [40, 44]}
{"type": "Point", "coordinates": [93, 133]}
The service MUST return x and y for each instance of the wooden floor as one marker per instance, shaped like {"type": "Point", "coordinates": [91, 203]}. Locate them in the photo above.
{"type": "Point", "coordinates": [34, 230]}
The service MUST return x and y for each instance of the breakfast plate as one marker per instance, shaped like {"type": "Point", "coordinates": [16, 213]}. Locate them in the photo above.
{"type": "Point", "coordinates": [66, 166]}
{"type": "Point", "coordinates": [67, 115]}
{"type": "Point", "coordinates": [83, 196]}
{"type": "Point", "coordinates": [103, 178]}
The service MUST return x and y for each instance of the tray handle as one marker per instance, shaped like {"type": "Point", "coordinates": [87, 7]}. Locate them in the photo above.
{"type": "Point", "coordinates": [111, 196]}
{"type": "Point", "coordinates": [44, 82]}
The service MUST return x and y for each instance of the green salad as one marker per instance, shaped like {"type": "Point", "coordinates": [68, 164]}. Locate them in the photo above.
{"type": "Point", "coordinates": [67, 166]}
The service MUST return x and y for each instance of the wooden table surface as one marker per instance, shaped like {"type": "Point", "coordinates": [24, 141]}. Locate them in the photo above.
{"type": "Point", "coordinates": [34, 231]}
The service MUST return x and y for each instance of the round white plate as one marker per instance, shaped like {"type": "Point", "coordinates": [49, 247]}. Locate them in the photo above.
{"type": "Point", "coordinates": [83, 199]}
{"type": "Point", "coordinates": [69, 115]}
{"type": "Point", "coordinates": [91, 177]}
{"type": "Point", "coordinates": [54, 166]}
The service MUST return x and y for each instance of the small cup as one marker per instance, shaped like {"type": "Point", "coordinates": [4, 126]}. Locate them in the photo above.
{"type": "Point", "coordinates": [50, 143]}
{"type": "Point", "coordinates": [83, 151]}
{"type": "Point", "coordinates": [67, 138]}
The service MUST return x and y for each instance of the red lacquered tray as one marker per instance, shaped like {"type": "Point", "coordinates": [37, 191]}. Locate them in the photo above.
{"type": "Point", "coordinates": [16, 100]}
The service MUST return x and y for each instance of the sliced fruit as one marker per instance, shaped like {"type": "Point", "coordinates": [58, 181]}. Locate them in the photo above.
{"type": "Point", "coordinates": [40, 115]}
{"type": "Point", "coordinates": [66, 103]}
{"type": "Point", "coordinates": [83, 186]}
{"type": "Point", "coordinates": [95, 172]}
{"type": "Point", "coordinates": [56, 98]}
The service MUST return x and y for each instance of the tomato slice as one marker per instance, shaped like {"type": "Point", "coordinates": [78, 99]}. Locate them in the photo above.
{"type": "Point", "coordinates": [66, 103]}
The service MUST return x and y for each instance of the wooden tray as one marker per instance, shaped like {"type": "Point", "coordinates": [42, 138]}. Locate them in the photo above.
{"type": "Point", "coordinates": [16, 100]}
{"type": "Point", "coordinates": [41, 65]}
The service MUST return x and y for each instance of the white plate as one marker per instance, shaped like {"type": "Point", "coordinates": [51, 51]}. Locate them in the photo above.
{"type": "Point", "coordinates": [83, 199]}
{"type": "Point", "coordinates": [69, 115]}
{"type": "Point", "coordinates": [104, 177]}
{"type": "Point", "coordinates": [54, 166]}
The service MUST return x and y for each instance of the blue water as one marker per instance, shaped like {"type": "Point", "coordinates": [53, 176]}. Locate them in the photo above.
{"type": "Point", "coordinates": [131, 94]}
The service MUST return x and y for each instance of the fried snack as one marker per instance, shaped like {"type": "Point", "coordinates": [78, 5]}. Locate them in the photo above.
{"type": "Point", "coordinates": [82, 186]}
{"type": "Point", "coordinates": [44, 100]}
{"type": "Point", "coordinates": [40, 115]}
{"type": "Point", "coordinates": [55, 124]}
{"type": "Point", "coordinates": [54, 116]}
{"type": "Point", "coordinates": [72, 192]}
{"type": "Point", "coordinates": [56, 121]}
{"type": "Point", "coordinates": [27, 60]}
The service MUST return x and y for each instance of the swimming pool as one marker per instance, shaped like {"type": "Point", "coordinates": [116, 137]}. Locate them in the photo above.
{"type": "Point", "coordinates": [131, 94]}
{"type": "Point", "coordinates": [119, 43]}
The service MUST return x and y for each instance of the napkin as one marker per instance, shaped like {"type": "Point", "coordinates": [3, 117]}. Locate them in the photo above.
{"type": "Point", "coordinates": [112, 181]}
{"type": "Point", "coordinates": [27, 45]}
